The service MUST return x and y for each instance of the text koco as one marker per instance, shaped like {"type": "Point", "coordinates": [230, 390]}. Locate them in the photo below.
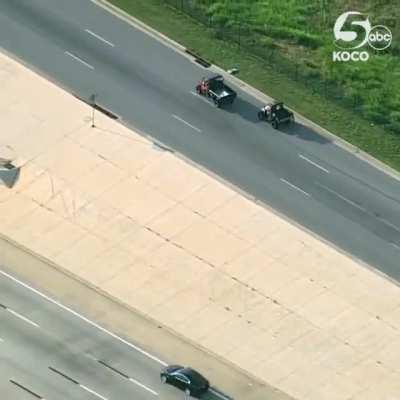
{"type": "Point", "coordinates": [350, 56]}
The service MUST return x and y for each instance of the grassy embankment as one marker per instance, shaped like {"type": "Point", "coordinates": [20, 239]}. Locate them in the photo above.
{"type": "Point", "coordinates": [373, 138]}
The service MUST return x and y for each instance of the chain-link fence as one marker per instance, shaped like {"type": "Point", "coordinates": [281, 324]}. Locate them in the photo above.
{"type": "Point", "coordinates": [260, 44]}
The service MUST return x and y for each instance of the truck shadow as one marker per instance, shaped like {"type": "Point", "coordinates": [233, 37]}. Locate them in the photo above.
{"type": "Point", "coordinates": [244, 109]}
{"type": "Point", "coordinates": [304, 133]}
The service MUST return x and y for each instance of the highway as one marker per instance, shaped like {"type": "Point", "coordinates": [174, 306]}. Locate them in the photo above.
{"type": "Point", "coordinates": [150, 86]}
{"type": "Point", "coordinates": [48, 351]}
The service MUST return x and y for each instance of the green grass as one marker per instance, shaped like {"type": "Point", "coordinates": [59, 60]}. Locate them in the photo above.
{"type": "Point", "coordinates": [380, 143]}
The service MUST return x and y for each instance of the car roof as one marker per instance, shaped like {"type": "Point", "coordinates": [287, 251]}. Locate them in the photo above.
{"type": "Point", "coordinates": [193, 375]}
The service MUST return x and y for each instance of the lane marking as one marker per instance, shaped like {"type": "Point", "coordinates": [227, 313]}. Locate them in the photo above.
{"type": "Point", "coordinates": [117, 371]}
{"type": "Point", "coordinates": [100, 328]}
{"type": "Point", "coordinates": [202, 98]}
{"type": "Point", "coordinates": [65, 376]}
{"type": "Point", "coordinates": [313, 163]}
{"type": "Point", "coordinates": [27, 320]}
{"type": "Point", "coordinates": [31, 392]}
{"type": "Point", "coordinates": [79, 59]}
{"type": "Point", "coordinates": [342, 197]}
{"type": "Point", "coordinates": [93, 392]}
{"type": "Point", "coordinates": [295, 187]}
{"type": "Point", "coordinates": [99, 37]}
{"type": "Point", "coordinates": [1, 340]}
{"type": "Point", "coordinates": [186, 123]}
{"type": "Point", "coordinates": [385, 221]}
{"type": "Point", "coordinates": [143, 386]}
{"type": "Point", "coordinates": [395, 245]}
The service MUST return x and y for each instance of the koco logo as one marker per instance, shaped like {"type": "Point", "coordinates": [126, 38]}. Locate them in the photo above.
{"type": "Point", "coordinates": [353, 31]}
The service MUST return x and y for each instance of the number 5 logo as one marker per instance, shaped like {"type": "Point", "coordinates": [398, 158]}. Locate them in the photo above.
{"type": "Point", "coordinates": [350, 36]}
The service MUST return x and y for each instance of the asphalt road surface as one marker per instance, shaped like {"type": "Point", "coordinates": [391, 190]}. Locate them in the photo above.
{"type": "Point", "coordinates": [49, 351]}
{"type": "Point", "coordinates": [301, 174]}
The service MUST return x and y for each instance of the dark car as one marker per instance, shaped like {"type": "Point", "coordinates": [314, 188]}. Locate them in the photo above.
{"type": "Point", "coordinates": [215, 88]}
{"type": "Point", "coordinates": [186, 379]}
{"type": "Point", "coordinates": [276, 113]}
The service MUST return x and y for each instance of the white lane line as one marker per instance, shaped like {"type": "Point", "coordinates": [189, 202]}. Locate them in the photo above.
{"type": "Point", "coordinates": [385, 221]}
{"type": "Point", "coordinates": [186, 123]}
{"type": "Point", "coordinates": [93, 392]}
{"type": "Point", "coordinates": [27, 320]}
{"type": "Point", "coordinates": [143, 386]}
{"type": "Point", "coordinates": [79, 59]}
{"type": "Point", "coordinates": [113, 335]}
{"type": "Point", "coordinates": [342, 197]}
{"type": "Point", "coordinates": [295, 187]}
{"type": "Point", "coordinates": [99, 37]}
{"type": "Point", "coordinates": [313, 163]}
{"type": "Point", "coordinates": [395, 245]}
{"type": "Point", "coordinates": [202, 98]}
{"type": "Point", "coordinates": [1, 340]}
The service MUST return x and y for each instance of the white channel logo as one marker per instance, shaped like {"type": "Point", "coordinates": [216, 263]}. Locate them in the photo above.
{"type": "Point", "coordinates": [352, 37]}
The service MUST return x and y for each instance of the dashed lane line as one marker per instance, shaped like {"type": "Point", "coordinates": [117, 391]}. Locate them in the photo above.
{"type": "Point", "coordinates": [18, 315]}
{"type": "Point", "coordinates": [202, 98]}
{"type": "Point", "coordinates": [351, 202]}
{"type": "Point", "coordinates": [124, 375]}
{"type": "Point", "coordinates": [388, 223]}
{"type": "Point", "coordinates": [75, 382]}
{"type": "Point", "coordinates": [27, 320]}
{"type": "Point", "coordinates": [93, 392]}
{"type": "Point", "coordinates": [99, 37]}
{"type": "Point", "coordinates": [79, 59]}
{"type": "Point", "coordinates": [295, 187]}
{"type": "Point", "coordinates": [313, 163]}
{"type": "Point", "coordinates": [137, 383]}
{"type": "Point", "coordinates": [88, 321]}
{"type": "Point", "coordinates": [186, 123]}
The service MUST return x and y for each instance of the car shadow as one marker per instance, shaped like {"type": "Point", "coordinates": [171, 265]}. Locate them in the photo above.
{"type": "Point", "coordinates": [215, 394]}
{"type": "Point", "coordinates": [304, 133]}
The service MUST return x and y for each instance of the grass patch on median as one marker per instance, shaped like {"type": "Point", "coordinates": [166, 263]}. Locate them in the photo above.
{"type": "Point", "coordinates": [380, 143]}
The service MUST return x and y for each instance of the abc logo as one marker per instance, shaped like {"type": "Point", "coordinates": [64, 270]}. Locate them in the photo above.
{"type": "Point", "coordinates": [380, 37]}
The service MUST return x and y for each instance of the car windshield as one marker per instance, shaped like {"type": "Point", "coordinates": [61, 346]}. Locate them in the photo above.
{"type": "Point", "coordinates": [183, 376]}
{"type": "Point", "coordinates": [216, 84]}
{"type": "Point", "coordinates": [172, 368]}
